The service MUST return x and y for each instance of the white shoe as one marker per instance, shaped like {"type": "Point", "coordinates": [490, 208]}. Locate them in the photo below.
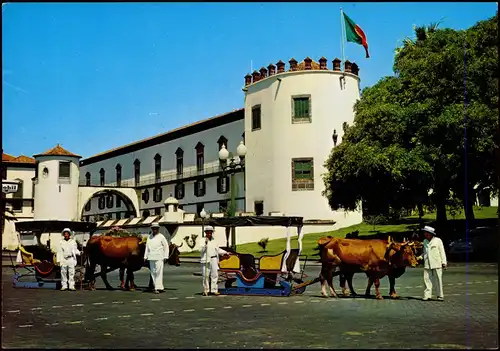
{"type": "Point", "coordinates": [440, 298]}
{"type": "Point", "coordinates": [425, 299]}
{"type": "Point", "coordinates": [64, 289]}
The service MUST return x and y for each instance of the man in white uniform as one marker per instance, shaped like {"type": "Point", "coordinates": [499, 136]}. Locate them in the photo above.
{"type": "Point", "coordinates": [210, 252]}
{"type": "Point", "coordinates": [434, 262]}
{"type": "Point", "coordinates": [66, 257]}
{"type": "Point", "coordinates": [156, 253]}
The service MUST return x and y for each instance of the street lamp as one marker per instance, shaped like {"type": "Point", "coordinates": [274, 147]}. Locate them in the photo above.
{"type": "Point", "coordinates": [203, 215]}
{"type": "Point", "coordinates": [230, 167]}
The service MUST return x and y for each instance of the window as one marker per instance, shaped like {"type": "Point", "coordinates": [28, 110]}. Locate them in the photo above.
{"type": "Point", "coordinates": [302, 174]}
{"type": "Point", "coordinates": [199, 208]}
{"type": "Point", "coordinates": [243, 137]}
{"type": "Point", "coordinates": [179, 191]}
{"type": "Point", "coordinates": [157, 168]}
{"type": "Point", "coordinates": [109, 201]}
{"type": "Point", "coordinates": [64, 169]}
{"type": "Point", "coordinates": [19, 193]}
{"type": "Point", "coordinates": [145, 196]}
{"type": "Point", "coordinates": [88, 206]}
{"type": "Point", "coordinates": [17, 205]}
{"type": "Point", "coordinates": [157, 194]}
{"type": "Point", "coordinates": [118, 175]}
{"type": "Point", "coordinates": [145, 214]}
{"type": "Point", "coordinates": [137, 172]}
{"type": "Point", "coordinates": [118, 201]}
{"type": "Point", "coordinates": [179, 153]}
{"type": "Point", "coordinates": [102, 202]}
{"type": "Point", "coordinates": [158, 211]}
{"type": "Point", "coordinates": [223, 185]}
{"type": "Point", "coordinates": [4, 172]}
{"type": "Point", "coordinates": [103, 176]}
{"type": "Point", "coordinates": [256, 117]}
{"type": "Point", "coordinates": [222, 141]}
{"type": "Point", "coordinates": [301, 108]}
{"type": "Point", "coordinates": [199, 188]}
{"type": "Point", "coordinates": [118, 215]}
{"type": "Point", "coordinates": [200, 156]}
{"type": "Point", "coordinates": [87, 179]}
{"type": "Point", "coordinates": [222, 206]}
{"type": "Point", "coordinates": [258, 208]}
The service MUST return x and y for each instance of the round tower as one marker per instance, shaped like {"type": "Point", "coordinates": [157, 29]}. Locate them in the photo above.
{"type": "Point", "coordinates": [293, 119]}
{"type": "Point", "coordinates": [56, 185]}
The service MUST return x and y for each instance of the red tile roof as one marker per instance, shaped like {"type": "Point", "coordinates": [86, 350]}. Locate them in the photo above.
{"type": "Point", "coordinates": [7, 157]}
{"type": "Point", "coordinates": [20, 159]}
{"type": "Point", "coordinates": [24, 159]}
{"type": "Point", "coordinates": [58, 151]}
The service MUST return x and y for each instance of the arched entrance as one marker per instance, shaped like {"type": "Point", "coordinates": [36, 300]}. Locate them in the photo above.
{"type": "Point", "coordinates": [107, 203]}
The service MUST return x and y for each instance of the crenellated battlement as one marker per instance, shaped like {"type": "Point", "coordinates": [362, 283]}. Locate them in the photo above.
{"type": "Point", "coordinates": [306, 65]}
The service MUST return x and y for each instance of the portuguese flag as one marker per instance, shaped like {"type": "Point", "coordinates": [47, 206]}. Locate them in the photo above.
{"type": "Point", "coordinates": [355, 34]}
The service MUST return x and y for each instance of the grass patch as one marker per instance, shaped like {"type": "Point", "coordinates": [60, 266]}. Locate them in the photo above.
{"type": "Point", "coordinates": [309, 241]}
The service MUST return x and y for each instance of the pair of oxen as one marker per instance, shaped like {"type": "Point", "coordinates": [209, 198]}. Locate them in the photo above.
{"type": "Point", "coordinates": [123, 253]}
{"type": "Point", "coordinates": [377, 258]}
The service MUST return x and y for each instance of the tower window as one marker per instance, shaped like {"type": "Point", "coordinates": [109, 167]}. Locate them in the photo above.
{"type": "Point", "coordinates": [302, 174]}
{"type": "Point", "coordinates": [64, 169]}
{"type": "Point", "coordinates": [301, 109]}
{"type": "Point", "coordinates": [256, 117]}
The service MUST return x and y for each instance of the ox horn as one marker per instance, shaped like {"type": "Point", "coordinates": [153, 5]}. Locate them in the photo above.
{"type": "Point", "coordinates": [180, 244]}
{"type": "Point", "coordinates": [389, 241]}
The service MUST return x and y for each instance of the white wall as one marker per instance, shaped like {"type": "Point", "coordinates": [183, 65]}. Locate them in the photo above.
{"type": "Point", "coordinates": [271, 149]}
{"type": "Point", "coordinates": [56, 199]}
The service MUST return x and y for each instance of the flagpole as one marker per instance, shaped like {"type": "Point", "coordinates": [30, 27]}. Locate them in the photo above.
{"type": "Point", "coordinates": [342, 28]}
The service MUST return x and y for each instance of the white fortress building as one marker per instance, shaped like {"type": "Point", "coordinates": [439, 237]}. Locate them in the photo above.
{"type": "Point", "coordinates": [291, 120]}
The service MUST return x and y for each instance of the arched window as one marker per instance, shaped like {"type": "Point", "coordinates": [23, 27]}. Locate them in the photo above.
{"type": "Point", "coordinates": [222, 141]}
{"type": "Point", "coordinates": [87, 179]}
{"type": "Point", "coordinates": [137, 171]}
{"type": "Point", "coordinates": [118, 175]}
{"type": "Point", "coordinates": [179, 154]}
{"type": "Point", "coordinates": [103, 176]}
{"type": "Point", "coordinates": [200, 156]}
{"type": "Point", "coordinates": [157, 168]}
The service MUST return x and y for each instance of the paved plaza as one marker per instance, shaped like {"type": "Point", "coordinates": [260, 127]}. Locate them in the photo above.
{"type": "Point", "coordinates": [181, 318]}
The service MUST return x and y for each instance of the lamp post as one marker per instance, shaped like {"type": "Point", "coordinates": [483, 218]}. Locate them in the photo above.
{"type": "Point", "coordinates": [203, 215]}
{"type": "Point", "coordinates": [230, 167]}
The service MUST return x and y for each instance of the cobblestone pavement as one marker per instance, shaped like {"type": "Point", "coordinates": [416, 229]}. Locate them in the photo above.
{"type": "Point", "coordinates": [181, 318]}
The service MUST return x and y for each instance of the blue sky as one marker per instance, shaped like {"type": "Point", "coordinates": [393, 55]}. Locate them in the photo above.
{"type": "Point", "coordinates": [94, 76]}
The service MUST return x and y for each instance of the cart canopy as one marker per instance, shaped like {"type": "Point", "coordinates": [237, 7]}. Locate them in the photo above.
{"type": "Point", "coordinates": [251, 221]}
{"type": "Point", "coordinates": [52, 226]}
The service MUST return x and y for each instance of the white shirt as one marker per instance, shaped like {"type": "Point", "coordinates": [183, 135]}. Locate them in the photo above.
{"type": "Point", "coordinates": [434, 255]}
{"type": "Point", "coordinates": [66, 254]}
{"type": "Point", "coordinates": [156, 248]}
{"type": "Point", "coordinates": [210, 250]}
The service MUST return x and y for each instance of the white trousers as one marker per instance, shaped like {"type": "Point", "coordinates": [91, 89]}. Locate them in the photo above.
{"type": "Point", "coordinates": [429, 276]}
{"type": "Point", "coordinates": [65, 272]}
{"type": "Point", "coordinates": [156, 267]}
{"type": "Point", "coordinates": [210, 274]}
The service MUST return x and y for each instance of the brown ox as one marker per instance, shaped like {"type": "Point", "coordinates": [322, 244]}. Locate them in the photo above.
{"type": "Point", "coordinates": [393, 273]}
{"type": "Point", "coordinates": [375, 257]}
{"type": "Point", "coordinates": [125, 253]}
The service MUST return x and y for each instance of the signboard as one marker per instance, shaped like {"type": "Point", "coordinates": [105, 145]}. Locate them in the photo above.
{"type": "Point", "coordinates": [8, 187]}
